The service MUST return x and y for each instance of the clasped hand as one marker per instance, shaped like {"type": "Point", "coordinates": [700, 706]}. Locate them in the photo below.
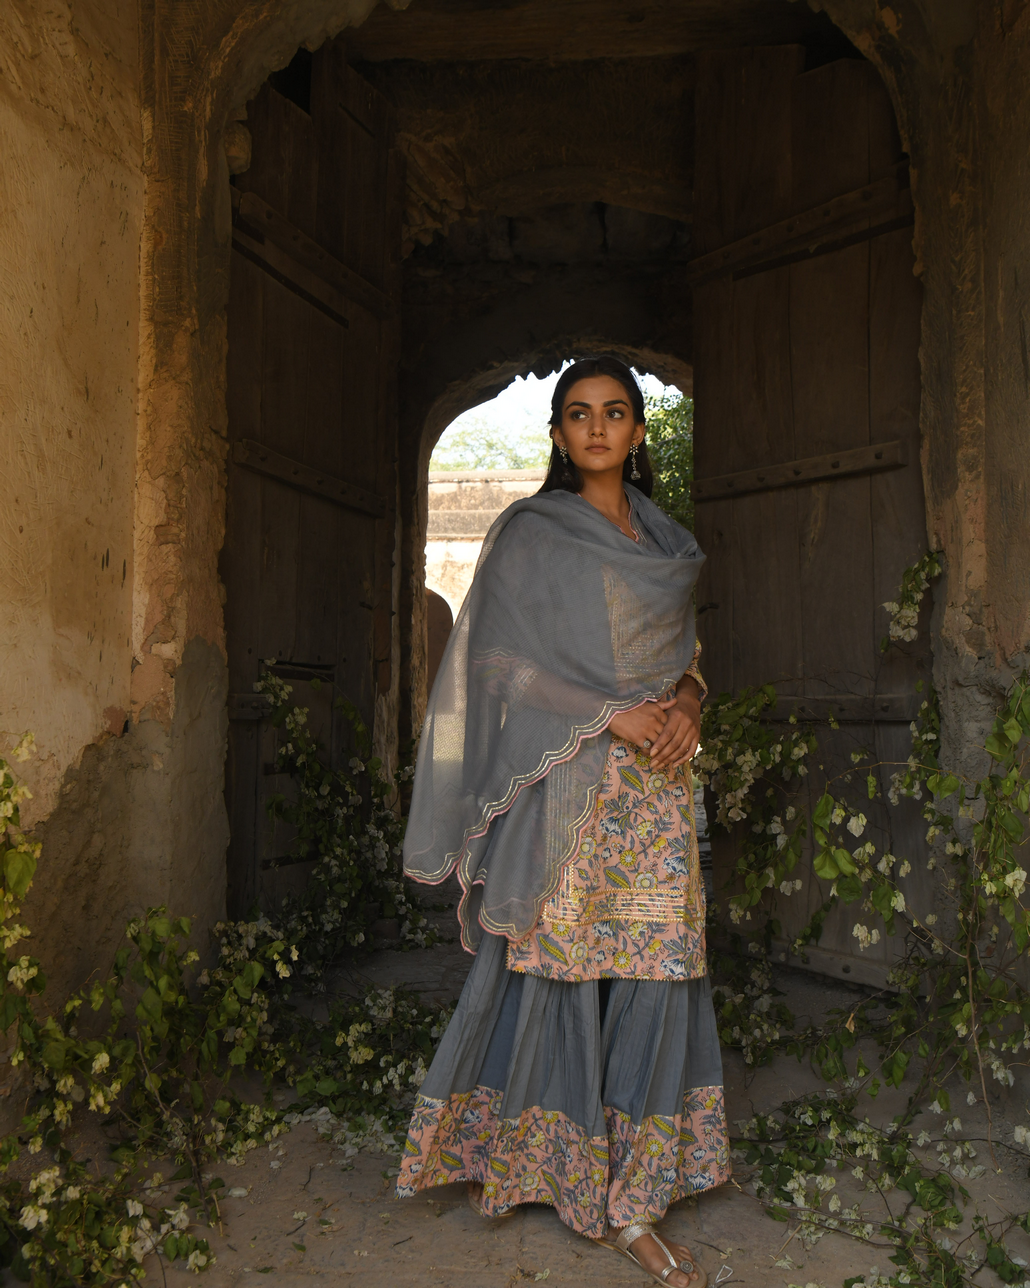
{"type": "Point", "coordinates": [672, 725]}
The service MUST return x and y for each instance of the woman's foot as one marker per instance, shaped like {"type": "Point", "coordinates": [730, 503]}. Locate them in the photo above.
{"type": "Point", "coordinates": [651, 1257]}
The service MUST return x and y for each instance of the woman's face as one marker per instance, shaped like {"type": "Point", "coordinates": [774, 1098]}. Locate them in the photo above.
{"type": "Point", "coordinates": [597, 427]}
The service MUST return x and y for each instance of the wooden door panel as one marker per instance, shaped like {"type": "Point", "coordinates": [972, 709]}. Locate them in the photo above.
{"type": "Point", "coordinates": [767, 613]}
{"type": "Point", "coordinates": [284, 164]}
{"type": "Point", "coordinates": [830, 130]}
{"type": "Point", "coordinates": [807, 353]}
{"type": "Point", "coordinates": [743, 130]}
{"type": "Point", "coordinates": [307, 318]}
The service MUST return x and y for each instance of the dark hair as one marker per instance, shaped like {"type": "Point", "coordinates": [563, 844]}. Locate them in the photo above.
{"type": "Point", "coordinates": [566, 477]}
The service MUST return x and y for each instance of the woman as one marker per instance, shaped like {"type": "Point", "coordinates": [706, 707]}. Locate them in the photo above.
{"type": "Point", "coordinates": [582, 1064]}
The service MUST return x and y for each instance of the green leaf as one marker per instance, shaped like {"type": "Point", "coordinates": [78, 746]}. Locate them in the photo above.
{"type": "Point", "coordinates": [149, 1005]}
{"type": "Point", "coordinates": [1013, 730]}
{"type": "Point", "coordinates": [822, 812]}
{"type": "Point", "coordinates": [850, 888]}
{"type": "Point", "coordinates": [825, 866]}
{"type": "Point", "coordinates": [996, 747]}
{"type": "Point", "coordinates": [19, 869]}
{"type": "Point", "coordinates": [53, 1055]}
{"type": "Point", "coordinates": [845, 862]}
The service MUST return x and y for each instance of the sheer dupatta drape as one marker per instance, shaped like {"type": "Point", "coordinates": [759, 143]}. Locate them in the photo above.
{"type": "Point", "coordinates": [567, 622]}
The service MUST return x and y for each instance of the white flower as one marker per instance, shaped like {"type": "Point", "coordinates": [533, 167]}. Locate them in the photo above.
{"type": "Point", "coordinates": [898, 901]}
{"type": "Point", "coordinates": [133, 1207]}
{"type": "Point", "coordinates": [31, 1216]}
{"type": "Point", "coordinates": [21, 972]}
{"type": "Point", "coordinates": [100, 1062]}
{"type": "Point", "coordinates": [1016, 881]}
{"type": "Point", "coordinates": [856, 824]}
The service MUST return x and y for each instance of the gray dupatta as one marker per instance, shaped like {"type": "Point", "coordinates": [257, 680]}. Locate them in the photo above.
{"type": "Point", "coordinates": [567, 622]}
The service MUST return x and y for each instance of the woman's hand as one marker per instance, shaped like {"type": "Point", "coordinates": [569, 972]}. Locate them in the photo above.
{"type": "Point", "coordinates": [678, 740]}
{"type": "Point", "coordinates": [643, 725]}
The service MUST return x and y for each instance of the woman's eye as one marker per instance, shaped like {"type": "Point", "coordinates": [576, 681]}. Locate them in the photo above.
{"type": "Point", "coordinates": [616, 413]}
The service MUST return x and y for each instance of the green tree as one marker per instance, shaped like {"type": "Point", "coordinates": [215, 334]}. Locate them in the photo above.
{"type": "Point", "coordinates": [478, 445]}
{"type": "Point", "coordinates": [670, 446]}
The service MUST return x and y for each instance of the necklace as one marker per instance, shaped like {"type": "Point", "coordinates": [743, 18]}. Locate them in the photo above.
{"type": "Point", "coordinates": [617, 522]}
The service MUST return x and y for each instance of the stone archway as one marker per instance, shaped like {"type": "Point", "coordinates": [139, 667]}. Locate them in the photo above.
{"type": "Point", "coordinates": [457, 395]}
{"type": "Point", "coordinates": [199, 65]}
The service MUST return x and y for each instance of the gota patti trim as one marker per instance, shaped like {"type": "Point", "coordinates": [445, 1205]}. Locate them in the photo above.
{"type": "Point", "coordinates": [572, 906]}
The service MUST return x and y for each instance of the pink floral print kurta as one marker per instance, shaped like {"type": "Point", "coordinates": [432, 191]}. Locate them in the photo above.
{"type": "Point", "coordinates": [631, 904]}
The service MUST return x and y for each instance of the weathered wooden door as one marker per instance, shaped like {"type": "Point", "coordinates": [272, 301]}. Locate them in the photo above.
{"type": "Point", "coordinates": [311, 497]}
{"type": "Point", "coordinates": [809, 493]}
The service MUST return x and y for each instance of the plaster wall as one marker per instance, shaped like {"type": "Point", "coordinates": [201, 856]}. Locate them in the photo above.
{"type": "Point", "coordinates": [72, 209]}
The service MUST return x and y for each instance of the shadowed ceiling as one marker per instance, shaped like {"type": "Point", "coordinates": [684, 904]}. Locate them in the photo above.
{"type": "Point", "coordinates": [562, 30]}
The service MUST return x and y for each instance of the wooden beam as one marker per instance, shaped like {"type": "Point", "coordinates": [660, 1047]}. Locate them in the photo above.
{"type": "Point", "coordinates": [808, 253]}
{"type": "Point", "coordinates": [249, 706]}
{"type": "Point", "coordinates": [253, 456]}
{"type": "Point", "coordinates": [804, 231]}
{"type": "Point", "coordinates": [811, 469]}
{"type": "Point", "coordinates": [293, 275]}
{"type": "Point", "coordinates": [261, 224]}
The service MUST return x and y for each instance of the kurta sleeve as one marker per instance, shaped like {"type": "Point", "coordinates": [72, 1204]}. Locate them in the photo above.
{"type": "Point", "coordinates": [694, 670]}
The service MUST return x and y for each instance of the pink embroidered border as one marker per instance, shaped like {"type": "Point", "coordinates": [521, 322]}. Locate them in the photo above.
{"type": "Point", "coordinates": [634, 1172]}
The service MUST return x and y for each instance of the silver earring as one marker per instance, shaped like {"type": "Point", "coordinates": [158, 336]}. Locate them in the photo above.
{"type": "Point", "coordinates": [564, 454]}
{"type": "Point", "coordinates": [634, 472]}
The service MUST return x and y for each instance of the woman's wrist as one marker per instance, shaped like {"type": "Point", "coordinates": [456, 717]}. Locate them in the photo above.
{"type": "Point", "coordinates": [688, 687]}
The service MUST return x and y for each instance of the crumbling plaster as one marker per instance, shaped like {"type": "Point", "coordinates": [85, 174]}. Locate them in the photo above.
{"type": "Point", "coordinates": [69, 318]}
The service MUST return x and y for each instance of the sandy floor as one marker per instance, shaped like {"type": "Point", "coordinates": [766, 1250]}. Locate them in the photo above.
{"type": "Point", "coordinates": [309, 1214]}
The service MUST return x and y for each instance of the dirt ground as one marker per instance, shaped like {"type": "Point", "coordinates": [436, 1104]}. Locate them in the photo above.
{"type": "Point", "coordinates": [304, 1213]}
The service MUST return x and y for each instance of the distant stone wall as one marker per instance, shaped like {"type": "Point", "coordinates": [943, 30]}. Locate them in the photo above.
{"type": "Point", "coordinates": [462, 506]}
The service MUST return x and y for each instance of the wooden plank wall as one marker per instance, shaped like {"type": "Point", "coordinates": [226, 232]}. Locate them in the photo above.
{"type": "Point", "coordinates": [308, 582]}
{"type": "Point", "coordinates": [799, 360]}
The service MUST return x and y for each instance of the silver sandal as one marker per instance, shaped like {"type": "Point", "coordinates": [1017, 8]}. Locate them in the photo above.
{"type": "Point", "coordinates": [632, 1232]}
